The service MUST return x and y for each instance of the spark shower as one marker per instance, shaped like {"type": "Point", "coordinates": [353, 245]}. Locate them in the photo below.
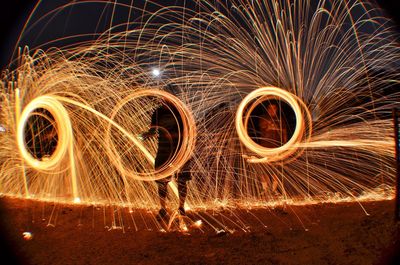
{"type": "Point", "coordinates": [334, 64]}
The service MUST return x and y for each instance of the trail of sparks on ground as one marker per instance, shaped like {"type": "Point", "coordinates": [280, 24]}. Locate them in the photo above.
{"type": "Point", "coordinates": [212, 62]}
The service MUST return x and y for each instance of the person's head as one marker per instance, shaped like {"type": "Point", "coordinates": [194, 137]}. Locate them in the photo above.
{"type": "Point", "coordinates": [272, 109]}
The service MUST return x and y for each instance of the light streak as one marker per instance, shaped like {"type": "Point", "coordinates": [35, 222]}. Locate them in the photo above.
{"type": "Point", "coordinates": [188, 138]}
{"type": "Point", "coordinates": [65, 137]}
{"type": "Point", "coordinates": [219, 62]}
{"type": "Point", "coordinates": [242, 117]}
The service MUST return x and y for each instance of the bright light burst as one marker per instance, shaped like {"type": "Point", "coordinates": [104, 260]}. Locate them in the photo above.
{"type": "Point", "coordinates": [156, 72]}
{"type": "Point", "coordinates": [334, 63]}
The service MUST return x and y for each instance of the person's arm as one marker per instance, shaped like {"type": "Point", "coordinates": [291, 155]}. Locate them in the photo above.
{"type": "Point", "coordinates": [153, 127]}
{"type": "Point", "coordinates": [151, 132]}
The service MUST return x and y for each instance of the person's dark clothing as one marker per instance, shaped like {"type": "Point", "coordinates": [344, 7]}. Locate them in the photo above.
{"type": "Point", "coordinates": [272, 131]}
{"type": "Point", "coordinates": [168, 122]}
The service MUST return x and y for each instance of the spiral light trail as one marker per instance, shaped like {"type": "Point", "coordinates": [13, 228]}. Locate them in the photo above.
{"type": "Point", "coordinates": [271, 154]}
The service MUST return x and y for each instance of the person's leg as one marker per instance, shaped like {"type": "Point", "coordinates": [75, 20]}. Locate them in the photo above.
{"type": "Point", "coordinates": [162, 196]}
{"type": "Point", "coordinates": [182, 188]}
{"type": "Point", "coordinates": [162, 193]}
{"type": "Point", "coordinates": [270, 184]}
{"type": "Point", "coordinates": [183, 178]}
{"type": "Point", "coordinates": [264, 184]}
{"type": "Point", "coordinates": [275, 186]}
{"type": "Point", "coordinates": [161, 184]}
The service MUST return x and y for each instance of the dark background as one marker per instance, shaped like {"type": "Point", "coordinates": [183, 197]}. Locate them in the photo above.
{"type": "Point", "coordinates": [13, 16]}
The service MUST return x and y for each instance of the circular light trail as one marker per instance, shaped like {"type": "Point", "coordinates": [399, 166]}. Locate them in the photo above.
{"type": "Point", "coordinates": [64, 132]}
{"type": "Point", "coordinates": [187, 138]}
{"type": "Point", "coordinates": [243, 114]}
{"type": "Point", "coordinates": [63, 127]}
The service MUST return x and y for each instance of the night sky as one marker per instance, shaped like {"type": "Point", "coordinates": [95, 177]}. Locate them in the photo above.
{"type": "Point", "coordinates": [16, 12]}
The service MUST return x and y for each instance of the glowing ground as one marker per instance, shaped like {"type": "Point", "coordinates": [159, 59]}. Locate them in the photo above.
{"type": "Point", "coordinates": [314, 234]}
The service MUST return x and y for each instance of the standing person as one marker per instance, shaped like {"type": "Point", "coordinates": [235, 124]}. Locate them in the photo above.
{"type": "Point", "coordinates": [167, 121]}
{"type": "Point", "coordinates": [49, 142]}
{"type": "Point", "coordinates": [273, 134]}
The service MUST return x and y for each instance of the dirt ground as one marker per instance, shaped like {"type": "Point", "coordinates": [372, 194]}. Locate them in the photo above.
{"type": "Point", "coordinates": [316, 234]}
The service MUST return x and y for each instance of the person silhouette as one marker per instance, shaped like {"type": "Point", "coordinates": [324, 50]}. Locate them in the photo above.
{"type": "Point", "coordinates": [273, 134]}
{"type": "Point", "coordinates": [166, 122]}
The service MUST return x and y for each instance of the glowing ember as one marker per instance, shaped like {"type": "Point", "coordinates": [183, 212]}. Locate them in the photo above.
{"type": "Point", "coordinates": [198, 223]}
{"type": "Point", "coordinates": [27, 235]}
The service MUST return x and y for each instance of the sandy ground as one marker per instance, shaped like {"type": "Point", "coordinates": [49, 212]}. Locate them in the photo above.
{"type": "Point", "coordinates": [316, 234]}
